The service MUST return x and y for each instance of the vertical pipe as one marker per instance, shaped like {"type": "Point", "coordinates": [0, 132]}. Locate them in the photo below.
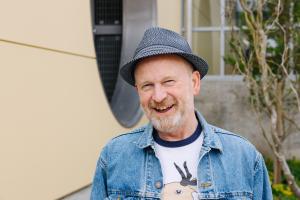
{"type": "Point", "coordinates": [189, 19]}
{"type": "Point", "coordinates": [182, 24]}
{"type": "Point", "coordinates": [222, 37]}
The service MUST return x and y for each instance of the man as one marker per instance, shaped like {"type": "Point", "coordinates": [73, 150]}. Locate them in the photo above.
{"type": "Point", "coordinates": [178, 155]}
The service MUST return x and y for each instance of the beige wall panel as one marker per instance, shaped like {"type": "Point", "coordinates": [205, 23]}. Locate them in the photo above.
{"type": "Point", "coordinates": [169, 14]}
{"type": "Point", "coordinates": [63, 25]}
{"type": "Point", "coordinates": [54, 121]}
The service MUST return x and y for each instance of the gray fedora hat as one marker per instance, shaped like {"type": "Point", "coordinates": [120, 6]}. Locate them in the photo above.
{"type": "Point", "coordinates": [158, 41]}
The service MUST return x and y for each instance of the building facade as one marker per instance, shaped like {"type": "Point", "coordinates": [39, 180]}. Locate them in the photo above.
{"type": "Point", "coordinates": [61, 98]}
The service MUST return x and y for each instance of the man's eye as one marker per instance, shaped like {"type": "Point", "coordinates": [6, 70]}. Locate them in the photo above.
{"type": "Point", "coordinates": [169, 82]}
{"type": "Point", "coordinates": [146, 86]}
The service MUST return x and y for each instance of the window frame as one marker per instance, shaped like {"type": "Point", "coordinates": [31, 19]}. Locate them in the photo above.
{"type": "Point", "coordinates": [187, 29]}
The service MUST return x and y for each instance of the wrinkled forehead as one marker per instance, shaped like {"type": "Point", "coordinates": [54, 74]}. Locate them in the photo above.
{"type": "Point", "coordinates": [162, 65]}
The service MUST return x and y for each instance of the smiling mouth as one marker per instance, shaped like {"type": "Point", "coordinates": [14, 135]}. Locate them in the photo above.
{"type": "Point", "coordinates": [163, 109]}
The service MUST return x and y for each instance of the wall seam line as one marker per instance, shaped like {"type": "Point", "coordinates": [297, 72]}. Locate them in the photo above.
{"type": "Point", "coordinates": [46, 49]}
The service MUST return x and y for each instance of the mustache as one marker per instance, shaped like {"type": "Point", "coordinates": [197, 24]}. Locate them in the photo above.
{"type": "Point", "coordinates": [165, 103]}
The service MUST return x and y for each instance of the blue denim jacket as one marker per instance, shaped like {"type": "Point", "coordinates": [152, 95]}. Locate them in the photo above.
{"type": "Point", "coordinates": [230, 168]}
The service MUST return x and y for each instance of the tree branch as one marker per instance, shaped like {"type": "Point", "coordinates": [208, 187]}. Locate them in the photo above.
{"type": "Point", "coordinates": [288, 174]}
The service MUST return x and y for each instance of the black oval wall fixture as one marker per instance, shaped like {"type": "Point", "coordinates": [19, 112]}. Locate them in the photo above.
{"type": "Point", "coordinates": [118, 26]}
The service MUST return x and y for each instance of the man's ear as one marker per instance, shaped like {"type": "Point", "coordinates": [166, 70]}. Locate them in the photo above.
{"type": "Point", "coordinates": [196, 82]}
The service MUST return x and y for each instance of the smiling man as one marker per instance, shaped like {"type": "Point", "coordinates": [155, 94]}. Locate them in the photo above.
{"type": "Point", "coordinates": [178, 155]}
{"type": "Point", "coordinates": [166, 85]}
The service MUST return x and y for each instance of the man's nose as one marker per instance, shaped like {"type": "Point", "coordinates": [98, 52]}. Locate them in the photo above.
{"type": "Point", "coordinates": [159, 94]}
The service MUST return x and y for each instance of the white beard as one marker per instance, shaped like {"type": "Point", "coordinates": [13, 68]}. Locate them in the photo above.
{"type": "Point", "coordinates": [167, 124]}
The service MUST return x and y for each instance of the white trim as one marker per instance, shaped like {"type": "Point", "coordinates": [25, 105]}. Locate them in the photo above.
{"type": "Point", "coordinates": [213, 28]}
{"type": "Point", "coordinates": [223, 78]}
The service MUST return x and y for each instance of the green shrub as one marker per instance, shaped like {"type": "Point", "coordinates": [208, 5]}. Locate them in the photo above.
{"type": "Point", "coordinates": [295, 168]}
{"type": "Point", "coordinates": [282, 191]}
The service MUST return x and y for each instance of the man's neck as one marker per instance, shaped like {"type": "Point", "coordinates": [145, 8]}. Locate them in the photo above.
{"type": "Point", "coordinates": [183, 132]}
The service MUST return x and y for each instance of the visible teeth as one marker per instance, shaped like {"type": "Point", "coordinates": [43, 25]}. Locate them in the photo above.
{"type": "Point", "coordinates": [163, 108]}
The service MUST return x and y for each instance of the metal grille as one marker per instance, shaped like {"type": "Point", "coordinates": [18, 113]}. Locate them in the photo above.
{"type": "Point", "coordinates": [108, 12]}
{"type": "Point", "coordinates": [108, 49]}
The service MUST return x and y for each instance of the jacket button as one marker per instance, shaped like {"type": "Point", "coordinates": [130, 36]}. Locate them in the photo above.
{"type": "Point", "coordinates": [158, 184]}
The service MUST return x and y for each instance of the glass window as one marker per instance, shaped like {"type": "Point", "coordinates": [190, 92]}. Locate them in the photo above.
{"type": "Point", "coordinates": [206, 13]}
{"type": "Point", "coordinates": [207, 44]}
{"type": "Point", "coordinates": [211, 28]}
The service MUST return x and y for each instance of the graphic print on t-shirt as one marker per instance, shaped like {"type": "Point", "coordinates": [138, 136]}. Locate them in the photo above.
{"type": "Point", "coordinates": [185, 189]}
{"type": "Point", "coordinates": [179, 165]}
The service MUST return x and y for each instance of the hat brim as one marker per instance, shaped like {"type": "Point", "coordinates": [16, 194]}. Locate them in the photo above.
{"type": "Point", "coordinates": [127, 71]}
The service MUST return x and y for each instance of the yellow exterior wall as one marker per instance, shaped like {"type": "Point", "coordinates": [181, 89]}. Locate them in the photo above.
{"type": "Point", "coordinates": [54, 120]}
{"type": "Point", "coordinates": [169, 14]}
{"type": "Point", "coordinates": [63, 25]}
{"type": "Point", "coordinates": [53, 112]}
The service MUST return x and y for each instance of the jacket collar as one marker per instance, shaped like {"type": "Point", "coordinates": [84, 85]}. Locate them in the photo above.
{"type": "Point", "coordinates": [211, 139]}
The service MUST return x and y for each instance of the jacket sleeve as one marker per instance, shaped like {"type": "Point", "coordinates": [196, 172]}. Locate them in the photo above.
{"type": "Point", "coordinates": [99, 186]}
{"type": "Point", "coordinates": [262, 188]}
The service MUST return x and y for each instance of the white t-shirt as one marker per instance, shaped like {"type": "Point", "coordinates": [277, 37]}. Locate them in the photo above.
{"type": "Point", "coordinates": [179, 161]}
